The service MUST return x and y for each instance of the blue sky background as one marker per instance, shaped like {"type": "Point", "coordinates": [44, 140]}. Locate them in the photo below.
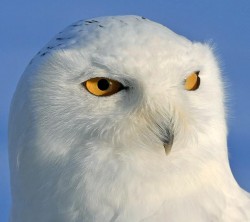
{"type": "Point", "coordinates": [25, 26]}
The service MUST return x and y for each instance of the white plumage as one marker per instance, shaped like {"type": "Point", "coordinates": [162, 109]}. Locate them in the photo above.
{"type": "Point", "coordinates": [76, 157]}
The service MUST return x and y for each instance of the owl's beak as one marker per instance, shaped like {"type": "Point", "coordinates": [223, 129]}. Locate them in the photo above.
{"type": "Point", "coordinates": [168, 144]}
{"type": "Point", "coordinates": [167, 148]}
{"type": "Point", "coordinates": [165, 134]}
{"type": "Point", "coordinates": [168, 139]}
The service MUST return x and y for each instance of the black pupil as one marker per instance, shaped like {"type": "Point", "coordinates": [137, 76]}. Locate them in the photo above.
{"type": "Point", "coordinates": [103, 84]}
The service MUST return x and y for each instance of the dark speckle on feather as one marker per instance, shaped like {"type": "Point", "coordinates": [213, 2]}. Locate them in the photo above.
{"type": "Point", "coordinates": [123, 22]}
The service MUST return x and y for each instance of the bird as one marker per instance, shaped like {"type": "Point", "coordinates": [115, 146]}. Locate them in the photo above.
{"type": "Point", "coordinates": [120, 119]}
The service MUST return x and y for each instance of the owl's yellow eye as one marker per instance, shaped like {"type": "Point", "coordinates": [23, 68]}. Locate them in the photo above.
{"type": "Point", "coordinates": [192, 82]}
{"type": "Point", "coordinates": [101, 86]}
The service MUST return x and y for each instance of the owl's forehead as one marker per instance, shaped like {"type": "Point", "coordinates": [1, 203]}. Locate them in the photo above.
{"type": "Point", "coordinates": [119, 35]}
{"type": "Point", "coordinates": [122, 44]}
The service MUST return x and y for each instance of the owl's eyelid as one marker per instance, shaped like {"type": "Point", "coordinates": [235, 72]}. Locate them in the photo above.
{"type": "Point", "coordinates": [197, 72]}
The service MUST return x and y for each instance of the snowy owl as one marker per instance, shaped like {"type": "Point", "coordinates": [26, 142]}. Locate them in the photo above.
{"type": "Point", "coordinates": [120, 119]}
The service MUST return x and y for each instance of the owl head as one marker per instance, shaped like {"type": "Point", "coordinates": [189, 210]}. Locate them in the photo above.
{"type": "Point", "coordinates": [122, 88]}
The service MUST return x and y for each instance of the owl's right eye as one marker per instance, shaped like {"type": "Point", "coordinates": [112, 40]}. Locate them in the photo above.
{"type": "Point", "coordinates": [101, 86]}
{"type": "Point", "coordinates": [192, 82]}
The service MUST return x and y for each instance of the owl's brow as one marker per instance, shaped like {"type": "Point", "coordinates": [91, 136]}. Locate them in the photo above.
{"type": "Point", "coordinates": [110, 71]}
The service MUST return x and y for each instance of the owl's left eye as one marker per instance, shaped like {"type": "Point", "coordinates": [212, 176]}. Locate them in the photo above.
{"type": "Point", "coordinates": [101, 86]}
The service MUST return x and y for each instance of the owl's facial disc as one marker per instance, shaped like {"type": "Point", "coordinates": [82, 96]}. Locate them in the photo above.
{"type": "Point", "coordinates": [102, 86]}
